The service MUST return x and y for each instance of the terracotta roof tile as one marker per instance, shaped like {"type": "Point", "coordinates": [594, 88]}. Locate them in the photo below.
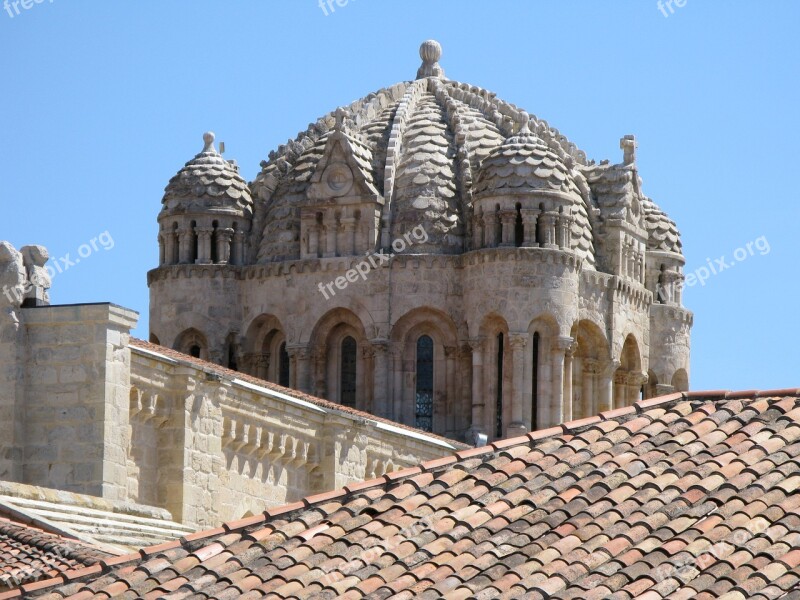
{"type": "Point", "coordinates": [690, 497]}
{"type": "Point", "coordinates": [29, 554]}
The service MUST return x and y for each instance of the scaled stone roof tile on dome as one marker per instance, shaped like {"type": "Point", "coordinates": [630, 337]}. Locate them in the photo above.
{"type": "Point", "coordinates": [686, 496]}
{"type": "Point", "coordinates": [210, 180]}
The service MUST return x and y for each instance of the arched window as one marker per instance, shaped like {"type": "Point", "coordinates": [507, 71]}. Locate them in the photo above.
{"type": "Point", "coordinates": [535, 384]}
{"type": "Point", "coordinates": [194, 351]}
{"type": "Point", "coordinates": [424, 395]}
{"type": "Point", "coordinates": [499, 405]}
{"type": "Point", "coordinates": [347, 395]}
{"type": "Point", "coordinates": [283, 366]}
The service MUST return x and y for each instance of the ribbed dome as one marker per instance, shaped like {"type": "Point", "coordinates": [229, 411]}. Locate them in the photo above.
{"type": "Point", "coordinates": [428, 140]}
{"type": "Point", "coordinates": [208, 182]}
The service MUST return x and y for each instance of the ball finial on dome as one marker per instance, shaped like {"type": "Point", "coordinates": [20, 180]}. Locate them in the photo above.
{"type": "Point", "coordinates": [524, 119]}
{"type": "Point", "coordinates": [430, 52]}
{"type": "Point", "coordinates": [208, 138]}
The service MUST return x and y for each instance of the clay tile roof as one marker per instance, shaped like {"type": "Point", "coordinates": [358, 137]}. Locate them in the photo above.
{"type": "Point", "coordinates": [473, 528]}
{"type": "Point", "coordinates": [29, 554]}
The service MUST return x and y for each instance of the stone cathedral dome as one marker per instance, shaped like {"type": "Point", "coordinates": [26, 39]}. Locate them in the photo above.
{"type": "Point", "coordinates": [430, 145]}
{"type": "Point", "coordinates": [208, 182]}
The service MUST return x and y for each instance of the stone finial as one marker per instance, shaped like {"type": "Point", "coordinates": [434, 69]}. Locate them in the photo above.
{"type": "Point", "coordinates": [628, 145]}
{"type": "Point", "coordinates": [208, 138]}
{"type": "Point", "coordinates": [341, 114]}
{"type": "Point", "coordinates": [430, 52]}
{"type": "Point", "coordinates": [523, 119]}
{"type": "Point", "coordinates": [35, 258]}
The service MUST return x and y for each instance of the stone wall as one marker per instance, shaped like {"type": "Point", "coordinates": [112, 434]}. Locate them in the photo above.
{"type": "Point", "coordinates": [84, 409]}
{"type": "Point", "coordinates": [76, 378]}
{"type": "Point", "coordinates": [226, 446]}
{"type": "Point", "coordinates": [595, 331]}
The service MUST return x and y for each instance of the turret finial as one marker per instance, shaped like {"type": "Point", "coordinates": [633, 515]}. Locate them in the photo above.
{"type": "Point", "coordinates": [430, 52]}
{"type": "Point", "coordinates": [524, 119]}
{"type": "Point", "coordinates": [628, 145]}
{"type": "Point", "coordinates": [208, 138]}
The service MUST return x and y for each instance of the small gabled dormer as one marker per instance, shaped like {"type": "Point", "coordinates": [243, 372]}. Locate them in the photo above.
{"type": "Point", "coordinates": [343, 209]}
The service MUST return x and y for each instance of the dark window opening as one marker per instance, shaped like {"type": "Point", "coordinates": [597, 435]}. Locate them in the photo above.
{"type": "Point", "coordinates": [519, 229]}
{"type": "Point", "coordinates": [214, 234]}
{"type": "Point", "coordinates": [283, 366]}
{"type": "Point", "coordinates": [424, 396]}
{"type": "Point", "coordinates": [347, 395]}
{"type": "Point", "coordinates": [195, 242]}
{"type": "Point", "coordinates": [194, 351]}
{"type": "Point", "coordinates": [232, 364]}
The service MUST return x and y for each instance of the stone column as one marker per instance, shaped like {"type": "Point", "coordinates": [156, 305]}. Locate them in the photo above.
{"type": "Point", "coordinates": [398, 379]}
{"type": "Point", "coordinates": [490, 225]}
{"type": "Point", "coordinates": [518, 343]}
{"type": "Point", "coordinates": [204, 245]}
{"type": "Point", "coordinates": [606, 396]}
{"type": "Point", "coordinates": [185, 245]}
{"type": "Point", "coordinates": [170, 247]}
{"type": "Point", "coordinates": [450, 353]}
{"type": "Point", "coordinates": [478, 426]}
{"type": "Point", "coordinates": [347, 232]}
{"type": "Point", "coordinates": [224, 236]}
{"type": "Point", "coordinates": [299, 360]}
{"type": "Point", "coordinates": [162, 251]}
{"type": "Point", "coordinates": [568, 400]}
{"type": "Point", "coordinates": [547, 225]}
{"type": "Point", "coordinates": [380, 392]}
{"type": "Point", "coordinates": [620, 389]}
{"type": "Point", "coordinates": [530, 218]}
{"type": "Point", "coordinates": [556, 408]}
{"type": "Point", "coordinates": [320, 358]}
{"type": "Point", "coordinates": [238, 248]}
{"type": "Point", "coordinates": [508, 219]}
{"type": "Point", "coordinates": [478, 232]}
{"type": "Point", "coordinates": [564, 231]}
{"type": "Point", "coordinates": [464, 408]}
{"type": "Point", "coordinates": [590, 369]}
{"type": "Point", "coordinates": [330, 239]}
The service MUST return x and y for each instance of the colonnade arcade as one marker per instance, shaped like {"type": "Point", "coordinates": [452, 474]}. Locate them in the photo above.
{"type": "Point", "coordinates": [429, 373]}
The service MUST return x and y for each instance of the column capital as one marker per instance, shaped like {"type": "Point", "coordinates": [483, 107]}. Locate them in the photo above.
{"type": "Point", "coordinates": [380, 345]}
{"type": "Point", "coordinates": [612, 366]}
{"type": "Point", "coordinates": [591, 366]}
{"type": "Point", "coordinates": [563, 344]}
{"type": "Point", "coordinates": [298, 351]}
{"type": "Point", "coordinates": [477, 343]}
{"type": "Point", "coordinates": [518, 340]}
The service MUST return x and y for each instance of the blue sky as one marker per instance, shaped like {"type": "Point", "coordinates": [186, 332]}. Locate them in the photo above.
{"type": "Point", "coordinates": [104, 101]}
